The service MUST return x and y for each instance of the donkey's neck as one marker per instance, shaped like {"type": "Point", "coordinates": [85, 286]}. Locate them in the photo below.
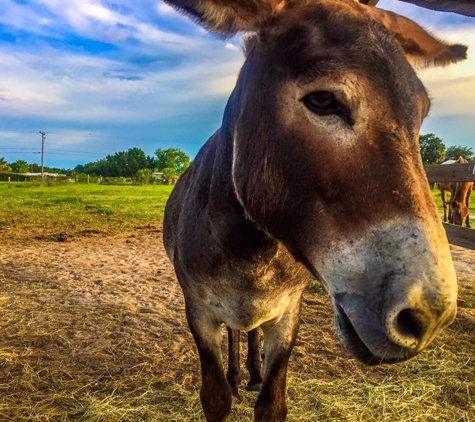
{"type": "Point", "coordinates": [226, 217]}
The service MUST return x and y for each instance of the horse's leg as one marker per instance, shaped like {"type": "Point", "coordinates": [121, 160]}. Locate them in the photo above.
{"type": "Point", "coordinates": [216, 397]}
{"type": "Point", "coordinates": [253, 363]}
{"type": "Point", "coordinates": [234, 372]}
{"type": "Point", "coordinates": [279, 339]}
{"type": "Point", "coordinates": [467, 203]}
{"type": "Point", "coordinates": [451, 215]}
{"type": "Point", "coordinates": [444, 203]}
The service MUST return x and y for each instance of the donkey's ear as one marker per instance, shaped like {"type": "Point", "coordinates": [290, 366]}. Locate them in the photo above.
{"type": "Point", "coordinates": [227, 17]}
{"type": "Point", "coordinates": [422, 48]}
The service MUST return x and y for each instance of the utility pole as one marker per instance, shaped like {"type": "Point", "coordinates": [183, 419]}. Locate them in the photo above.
{"type": "Point", "coordinates": [43, 138]}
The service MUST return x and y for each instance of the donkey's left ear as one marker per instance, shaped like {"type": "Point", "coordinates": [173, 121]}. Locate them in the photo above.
{"type": "Point", "coordinates": [422, 48]}
{"type": "Point", "coordinates": [227, 17]}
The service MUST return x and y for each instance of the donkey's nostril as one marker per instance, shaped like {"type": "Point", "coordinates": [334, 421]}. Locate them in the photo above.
{"type": "Point", "coordinates": [409, 325]}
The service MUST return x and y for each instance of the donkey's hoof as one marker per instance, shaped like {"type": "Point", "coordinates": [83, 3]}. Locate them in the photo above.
{"type": "Point", "coordinates": [254, 387]}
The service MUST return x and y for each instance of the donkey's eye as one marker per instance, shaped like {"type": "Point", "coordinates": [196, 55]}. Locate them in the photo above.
{"type": "Point", "coordinates": [322, 102]}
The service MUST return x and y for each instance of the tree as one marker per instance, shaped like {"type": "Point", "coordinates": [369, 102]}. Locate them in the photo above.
{"type": "Point", "coordinates": [432, 149]}
{"type": "Point", "coordinates": [79, 169]}
{"type": "Point", "coordinates": [4, 165]}
{"type": "Point", "coordinates": [170, 175]}
{"type": "Point", "coordinates": [172, 159]}
{"type": "Point", "coordinates": [453, 153]}
{"type": "Point", "coordinates": [20, 166]}
{"type": "Point", "coordinates": [143, 176]}
{"type": "Point", "coordinates": [121, 164]}
{"type": "Point", "coordinates": [35, 168]}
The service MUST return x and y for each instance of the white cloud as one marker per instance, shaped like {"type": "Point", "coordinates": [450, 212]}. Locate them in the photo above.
{"type": "Point", "coordinates": [233, 47]}
{"type": "Point", "coordinates": [66, 86]}
{"type": "Point", "coordinates": [167, 10]}
{"type": "Point", "coordinates": [18, 16]}
{"type": "Point", "coordinates": [89, 18]}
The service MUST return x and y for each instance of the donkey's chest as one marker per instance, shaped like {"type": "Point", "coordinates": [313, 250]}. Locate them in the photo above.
{"type": "Point", "coordinates": [248, 310]}
{"type": "Point", "coordinates": [247, 300]}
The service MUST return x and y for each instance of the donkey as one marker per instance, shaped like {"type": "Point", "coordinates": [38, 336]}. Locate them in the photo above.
{"type": "Point", "coordinates": [323, 122]}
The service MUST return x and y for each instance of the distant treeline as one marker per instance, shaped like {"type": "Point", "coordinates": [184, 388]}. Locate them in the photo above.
{"type": "Point", "coordinates": [132, 164]}
{"type": "Point", "coordinates": [434, 151]}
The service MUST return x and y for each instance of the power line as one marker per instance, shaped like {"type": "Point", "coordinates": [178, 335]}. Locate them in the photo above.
{"type": "Point", "coordinates": [17, 131]}
{"type": "Point", "coordinates": [21, 152]}
{"type": "Point", "coordinates": [78, 152]}
{"type": "Point", "coordinates": [92, 137]}
{"type": "Point", "coordinates": [14, 149]}
{"type": "Point", "coordinates": [74, 154]}
{"type": "Point", "coordinates": [21, 149]}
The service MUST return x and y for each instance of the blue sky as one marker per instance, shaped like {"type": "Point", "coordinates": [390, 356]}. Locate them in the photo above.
{"type": "Point", "coordinates": [104, 76]}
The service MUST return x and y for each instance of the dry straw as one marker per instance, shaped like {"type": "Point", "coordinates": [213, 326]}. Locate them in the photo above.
{"type": "Point", "coordinates": [112, 345]}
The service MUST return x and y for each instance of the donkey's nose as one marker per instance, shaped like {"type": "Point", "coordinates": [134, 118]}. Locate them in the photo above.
{"type": "Point", "coordinates": [408, 327]}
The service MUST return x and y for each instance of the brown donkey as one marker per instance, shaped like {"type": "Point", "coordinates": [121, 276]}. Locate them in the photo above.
{"type": "Point", "coordinates": [323, 122]}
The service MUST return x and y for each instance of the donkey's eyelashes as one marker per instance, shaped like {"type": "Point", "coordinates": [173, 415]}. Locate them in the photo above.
{"type": "Point", "coordinates": [325, 103]}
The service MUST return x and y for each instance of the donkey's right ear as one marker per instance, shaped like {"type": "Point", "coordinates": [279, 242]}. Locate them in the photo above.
{"type": "Point", "coordinates": [227, 17]}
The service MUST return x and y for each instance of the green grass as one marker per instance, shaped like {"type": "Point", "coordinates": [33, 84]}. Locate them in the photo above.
{"type": "Point", "coordinates": [75, 208]}
{"type": "Point", "coordinates": [36, 209]}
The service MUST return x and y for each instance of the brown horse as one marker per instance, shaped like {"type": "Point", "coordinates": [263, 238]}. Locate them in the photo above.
{"type": "Point", "coordinates": [323, 122]}
{"type": "Point", "coordinates": [445, 187]}
{"type": "Point", "coordinates": [459, 203]}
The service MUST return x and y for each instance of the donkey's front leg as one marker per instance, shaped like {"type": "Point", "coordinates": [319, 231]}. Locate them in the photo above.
{"type": "Point", "coordinates": [215, 394]}
{"type": "Point", "coordinates": [279, 339]}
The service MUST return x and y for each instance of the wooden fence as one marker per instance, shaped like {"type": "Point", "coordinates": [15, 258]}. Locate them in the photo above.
{"type": "Point", "coordinates": [457, 235]}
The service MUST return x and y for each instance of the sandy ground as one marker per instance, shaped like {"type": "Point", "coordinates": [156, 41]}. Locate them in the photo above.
{"type": "Point", "coordinates": [109, 308]}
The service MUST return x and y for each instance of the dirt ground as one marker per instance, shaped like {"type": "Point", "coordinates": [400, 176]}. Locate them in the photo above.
{"type": "Point", "coordinates": [91, 318]}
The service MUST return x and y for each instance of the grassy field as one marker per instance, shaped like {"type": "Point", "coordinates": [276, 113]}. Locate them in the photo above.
{"type": "Point", "coordinates": [94, 330]}
{"type": "Point", "coordinates": [72, 209]}
{"type": "Point", "coordinates": [68, 210]}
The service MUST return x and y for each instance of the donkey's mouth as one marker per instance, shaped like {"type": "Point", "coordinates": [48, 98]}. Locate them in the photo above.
{"type": "Point", "coordinates": [356, 346]}
{"type": "Point", "coordinates": [351, 340]}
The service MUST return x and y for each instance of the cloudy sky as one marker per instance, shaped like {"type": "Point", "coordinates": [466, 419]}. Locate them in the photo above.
{"type": "Point", "coordinates": [101, 76]}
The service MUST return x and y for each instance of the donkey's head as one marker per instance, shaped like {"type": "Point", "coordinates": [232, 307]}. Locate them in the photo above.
{"type": "Point", "coordinates": [324, 124]}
